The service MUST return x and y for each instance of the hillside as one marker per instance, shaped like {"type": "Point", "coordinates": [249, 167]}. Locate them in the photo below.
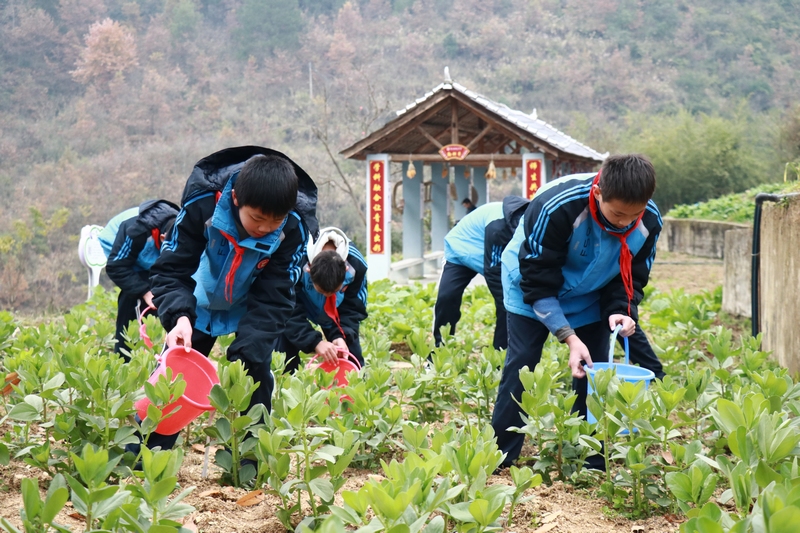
{"type": "Point", "coordinates": [104, 103]}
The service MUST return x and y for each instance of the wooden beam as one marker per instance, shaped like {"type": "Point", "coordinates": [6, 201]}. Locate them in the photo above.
{"type": "Point", "coordinates": [512, 130]}
{"type": "Point", "coordinates": [454, 122]}
{"type": "Point", "coordinates": [408, 119]}
{"type": "Point", "coordinates": [478, 137]}
{"type": "Point", "coordinates": [436, 158]}
{"type": "Point", "coordinates": [430, 137]}
{"type": "Point", "coordinates": [395, 136]}
{"type": "Point", "coordinates": [421, 147]}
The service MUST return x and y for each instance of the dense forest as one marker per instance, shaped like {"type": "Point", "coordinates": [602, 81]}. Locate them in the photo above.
{"type": "Point", "coordinates": [104, 103]}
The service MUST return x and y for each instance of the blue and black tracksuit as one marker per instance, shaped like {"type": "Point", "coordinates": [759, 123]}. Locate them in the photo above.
{"type": "Point", "coordinates": [472, 247]}
{"type": "Point", "coordinates": [561, 272]}
{"type": "Point", "coordinates": [132, 242]}
{"type": "Point", "coordinates": [351, 309]}
{"type": "Point", "coordinates": [225, 281]}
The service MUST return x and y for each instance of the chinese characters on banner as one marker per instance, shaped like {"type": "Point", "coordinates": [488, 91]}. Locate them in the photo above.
{"type": "Point", "coordinates": [377, 237]}
{"type": "Point", "coordinates": [533, 176]}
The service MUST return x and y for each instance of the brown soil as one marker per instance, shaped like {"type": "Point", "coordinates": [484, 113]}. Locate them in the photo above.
{"type": "Point", "coordinates": [557, 509]}
{"type": "Point", "coordinates": [679, 271]}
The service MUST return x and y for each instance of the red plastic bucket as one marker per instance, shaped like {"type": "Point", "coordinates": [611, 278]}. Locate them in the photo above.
{"type": "Point", "coordinates": [200, 375]}
{"type": "Point", "coordinates": [347, 362]}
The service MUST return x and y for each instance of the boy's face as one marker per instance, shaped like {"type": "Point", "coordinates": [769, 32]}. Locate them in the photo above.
{"type": "Point", "coordinates": [618, 213]}
{"type": "Point", "coordinates": [255, 222]}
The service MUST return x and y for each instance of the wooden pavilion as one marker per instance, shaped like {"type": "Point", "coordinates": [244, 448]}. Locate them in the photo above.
{"type": "Point", "coordinates": [463, 137]}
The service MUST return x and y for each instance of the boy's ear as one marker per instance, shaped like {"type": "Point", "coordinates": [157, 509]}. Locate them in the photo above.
{"type": "Point", "coordinates": [235, 200]}
{"type": "Point", "coordinates": [307, 267]}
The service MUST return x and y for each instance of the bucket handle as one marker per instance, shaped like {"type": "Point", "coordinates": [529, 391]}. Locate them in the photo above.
{"type": "Point", "coordinates": [612, 344]}
{"type": "Point", "coordinates": [347, 355]}
{"type": "Point", "coordinates": [142, 326]}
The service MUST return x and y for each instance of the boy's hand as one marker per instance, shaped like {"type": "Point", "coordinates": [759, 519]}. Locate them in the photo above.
{"type": "Point", "coordinates": [328, 352]}
{"type": "Point", "coordinates": [628, 324]}
{"type": "Point", "coordinates": [181, 334]}
{"type": "Point", "coordinates": [339, 343]}
{"type": "Point", "coordinates": [148, 299]}
{"type": "Point", "coordinates": [578, 352]}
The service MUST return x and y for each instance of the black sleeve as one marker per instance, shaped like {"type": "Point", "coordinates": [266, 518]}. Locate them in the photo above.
{"type": "Point", "coordinates": [543, 253]}
{"type": "Point", "coordinates": [271, 299]}
{"type": "Point", "coordinates": [299, 330]}
{"type": "Point", "coordinates": [353, 308]}
{"type": "Point", "coordinates": [171, 276]}
{"type": "Point", "coordinates": [496, 237]}
{"type": "Point", "coordinates": [122, 260]}
{"type": "Point", "coordinates": [613, 299]}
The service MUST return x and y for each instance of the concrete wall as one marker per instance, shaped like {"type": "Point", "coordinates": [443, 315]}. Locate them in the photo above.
{"type": "Point", "coordinates": [738, 268]}
{"type": "Point", "coordinates": [703, 238]}
{"type": "Point", "coordinates": [779, 302]}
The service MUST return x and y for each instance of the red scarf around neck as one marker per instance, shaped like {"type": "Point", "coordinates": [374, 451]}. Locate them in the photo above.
{"type": "Point", "coordinates": [230, 278]}
{"type": "Point", "coordinates": [333, 312]}
{"type": "Point", "coordinates": [625, 255]}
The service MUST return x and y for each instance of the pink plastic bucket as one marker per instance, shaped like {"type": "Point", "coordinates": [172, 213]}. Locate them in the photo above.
{"type": "Point", "coordinates": [200, 375]}
{"type": "Point", "coordinates": [347, 362]}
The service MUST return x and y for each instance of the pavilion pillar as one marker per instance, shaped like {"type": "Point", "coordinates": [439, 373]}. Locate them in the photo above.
{"type": "Point", "coordinates": [379, 217]}
{"type": "Point", "coordinates": [481, 184]}
{"type": "Point", "coordinates": [462, 191]}
{"type": "Point", "coordinates": [413, 243]}
{"type": "Point", "coordinates": [439, 219]}
{"type": "Point", "coordinates": [533, 173]}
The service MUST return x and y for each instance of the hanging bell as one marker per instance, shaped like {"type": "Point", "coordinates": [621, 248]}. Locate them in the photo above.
{"type": "Point", "coordinates": [505, 174]}
{"type": "Point", "coordinates": [412, 171]}
{"type": "Point", "coordinates": [445, 171]}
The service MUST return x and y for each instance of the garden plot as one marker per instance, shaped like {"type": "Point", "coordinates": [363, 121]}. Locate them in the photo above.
{"type": "Point", "coordinates": [713, 447]}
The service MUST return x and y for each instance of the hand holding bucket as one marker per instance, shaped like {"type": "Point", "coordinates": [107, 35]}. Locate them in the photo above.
{"type": "Point", "coordinates": [347, 362]}
{"type": "Point", "coordinates": [624, 371]}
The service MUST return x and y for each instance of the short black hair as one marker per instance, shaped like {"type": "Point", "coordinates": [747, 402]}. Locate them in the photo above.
{"type": "Point", "coordinates": [629, 178]}
{"type": "Point", "coordinates": [267, 183]}
{"type": "Point", "coordinates": [328, 270]}
{"type": "Point", "coordinates": [466, 201]}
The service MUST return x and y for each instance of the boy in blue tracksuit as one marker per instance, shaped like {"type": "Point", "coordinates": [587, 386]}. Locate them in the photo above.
{"type": "Point", "coordinates": [473, 247]}
{"type": "Point", "coordinates": [132, 242]}
{"type": "Point", "coordinates": [576, 267]}
{"type": "Point", "coordinates": [234, 257]}
{"type": "Point", "coordinates": [332, 292]}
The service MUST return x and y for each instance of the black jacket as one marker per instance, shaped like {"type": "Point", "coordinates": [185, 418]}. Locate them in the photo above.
{"type": "Point", "coordinates": [270, 297]}
{"type": "Point", "coordinates": [132, 236]}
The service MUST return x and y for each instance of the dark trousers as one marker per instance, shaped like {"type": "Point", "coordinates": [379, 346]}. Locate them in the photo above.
{"type": "Point", "coordinates": [447, 310]}
{"type": "Point", "coordinates": [260, 372]}
{"type": "Point", "coordinates": [293, 352]}
{"type": "Point", "coordinates": [526, 337]}
{"type": "Point", "coordinates": [126, 313]}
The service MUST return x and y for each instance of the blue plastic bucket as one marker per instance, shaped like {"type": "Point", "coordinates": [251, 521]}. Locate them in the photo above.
{"type": "Point", "coordinates": [625, 371]}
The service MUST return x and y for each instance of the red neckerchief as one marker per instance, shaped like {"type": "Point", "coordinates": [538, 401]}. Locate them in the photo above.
{"type": "Point", "coordinates": [230, 277]}
{"type": "Point", "coordinates": [625, 256]}
{"type": "Point", "coordinates": [333, 312]}
{"type": "Point", "coordinates": [156, 238]}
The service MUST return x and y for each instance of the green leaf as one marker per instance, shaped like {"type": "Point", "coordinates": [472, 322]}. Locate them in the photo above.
{"type": "Point", "coordinates": [681, 486]}
{"type": "Point", "coordinates": [785, 520]}
{"type": "Point", "coordinates": [4, 455]}
{"type": "Point", "coordinates": [323, 488]}
{"type": "Point", "coordinates": [30, 498]}
{"type": "Point", "coordinates": [24, 412]}
{"type": "Point", "coordinates": [55, 502]}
